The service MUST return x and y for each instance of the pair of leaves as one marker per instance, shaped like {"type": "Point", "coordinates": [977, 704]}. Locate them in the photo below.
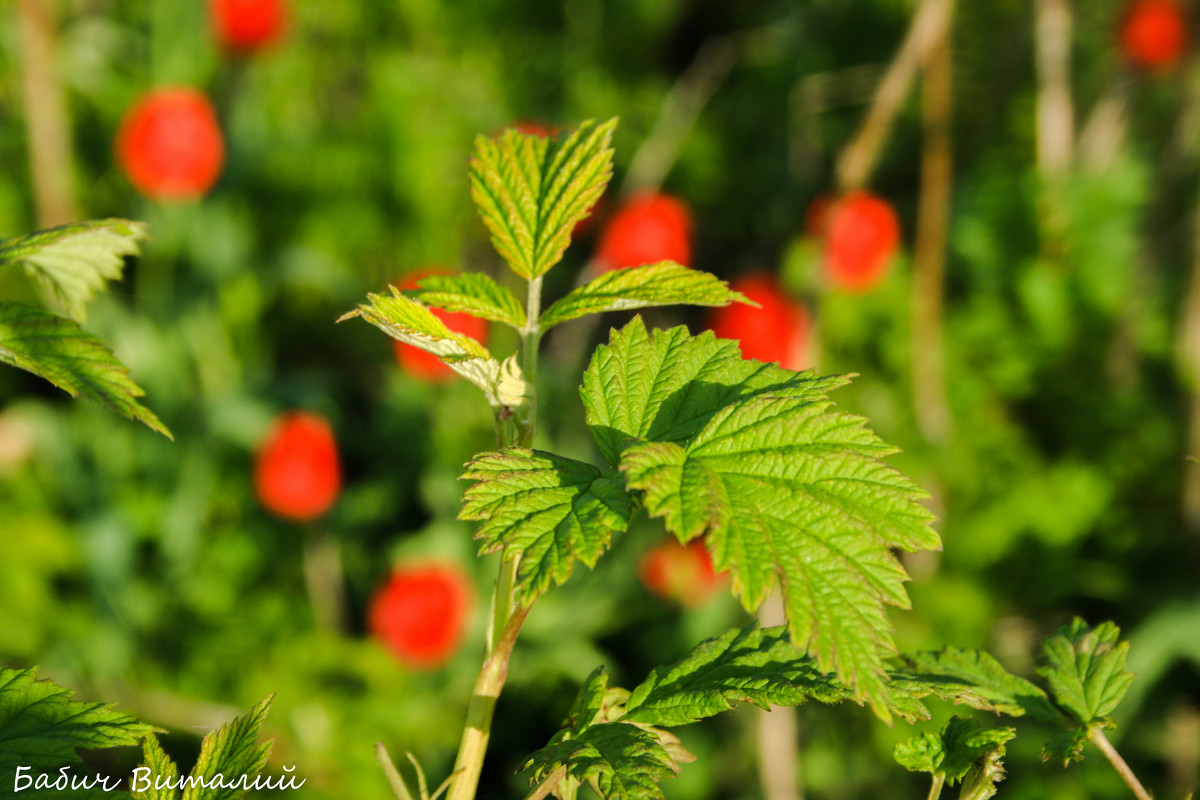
{"type": "Point", "coordinates": [226, 755]}
{"type": "Point", "coordinates": [41, 727]}
{"type": "Point", "coordinates": [72, 262]}
{"type": "Point", "coordinates": [785, 490]}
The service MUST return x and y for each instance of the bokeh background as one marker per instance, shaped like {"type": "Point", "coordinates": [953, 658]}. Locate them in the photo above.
{"type": "Point", "coordinates": [1044, 393]}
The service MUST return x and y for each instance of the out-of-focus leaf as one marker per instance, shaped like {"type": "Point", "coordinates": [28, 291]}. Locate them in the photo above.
{"type": "Point", "coordinates": [74, 261]}
{"type": "Point", "coordinates": [58, 350]}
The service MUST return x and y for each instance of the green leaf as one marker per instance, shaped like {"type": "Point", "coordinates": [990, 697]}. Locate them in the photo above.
{"type": "Point", "coordinates": [473, 293]}
{"type": "Point", "coordinates": [532, 190]}
{"type": "Point", "coordinates": [41, 727]}
{"type": "Point", "coordinates": [751, 665]}
{"type": "Point", "coordinates": [662, 284]}
{"type": "Point", "coordinates": [1085, 669]}
{"type": "Point", "coordinates": [549, 509]}
{"type": "Point", "coordinates": [409, 321]}
{"type": "Point", "coordinates": [621, 761]}
{"type": "Point", "coordinates": [974, 678]}
{"type": "Point", "coordinates": [961, 752]}
{"type": "Point", "coordinates": [231, 760]}
{"type": "Point", "coordinates": [786, 490]}
{"type": "Point", "coordinates": [58, 350]}
{"type": "Point", "coordinates": [666, 387]}
{"type": "Point", "coordinates": [163, 775]}
{"type": "Point", "coordinates": [74, 261]}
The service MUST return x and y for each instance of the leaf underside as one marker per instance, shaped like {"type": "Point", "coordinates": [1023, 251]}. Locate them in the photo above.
{"type": "Point", "coordinates": [974, 678]}
{"type": "Point", "coordinates": [532, 190]}
{"type": "Point", "coordinates": [74, 261]}
{"type": "Point", "coordinates": [662, 284]}
{"type": "Point", "coordinates": [57, 349]}
{"type": "Point", "coordinates": [471, 293]}
{"type": "Point", "coordinates": [786, 491]}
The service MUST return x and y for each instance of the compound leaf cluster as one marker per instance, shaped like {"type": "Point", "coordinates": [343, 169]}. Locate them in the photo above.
{"type": "Point", "coordinates": [41, 727]}
{"type": "Point", "coordinates": [786, 490]}
{"type": "Point", "coordinates": [961, 752]}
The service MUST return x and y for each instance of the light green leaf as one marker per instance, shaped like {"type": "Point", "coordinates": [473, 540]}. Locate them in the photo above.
{"type": "Point", "coordinates": [231, 759]}
{"type": "Point", "coordinates": [786, 490]}
{"type": "Point", "coordinates": [473, 293]}
{"type": "Point", "coordinates": [232, 750]}
{"type": "Point", "coordinates": [974, 678]}
{"type": "Point", "coordinates": [532, 190]}
{"type": "Point", "coordinates": [58, 350]}
{"type": "Point", "coordinates": [162, 778]}
{"type": "Point", "coordinates": [74, 261]}
{"type": "Point", "coordinates": [666, 387]}
{"type": "Point", "coordinates": [549, 509]}
{"type": "Point", "coordinates": [751, 665]}
{"type": "Point", "coordinates": [662, 284]}
{"type": "Point", "coordinates": [621, 761]}
{"type": "Point", "coordinates": [40, 728]}
{"type": "Point", "coordinates": [1085, 669]}
{"type": "Point", "coordinates": [409, 321]}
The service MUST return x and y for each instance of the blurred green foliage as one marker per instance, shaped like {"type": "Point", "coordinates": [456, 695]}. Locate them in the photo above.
{"type": "Point", "coordinates": [143, 571]}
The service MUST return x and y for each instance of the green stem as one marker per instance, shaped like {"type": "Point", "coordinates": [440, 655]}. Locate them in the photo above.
{"type": "Point", "coordinates": [1097, 737]}
{"type": "Point", "coordinates": [935, 788]}
{"type": "Point", "coordinates": [506, 617]}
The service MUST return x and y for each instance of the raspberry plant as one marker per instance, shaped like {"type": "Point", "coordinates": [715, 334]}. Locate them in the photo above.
{"type": "Point", "coordinates": [788, 494]}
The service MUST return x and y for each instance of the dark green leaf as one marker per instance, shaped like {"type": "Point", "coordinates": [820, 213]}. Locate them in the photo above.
{"type": "Point", "coordinates": [40, 728]}
{"type": "Point", "coordinates": [751, 665]}
{"type": "Point", "coordinates": [621, 761]}
{"type": "Point", "coordinates": [58, 350]}
{"type": "Point", "coordinates": [961, 751]}
{"type": "Point", "coordinates": [662, 284]}
{"type": "Point", "coordinates": [473, 293]}
{"type": "Point", "coordinates": [549, 509]}
{"type": "Point", "coordinates": [74, 261]}
{"type": "Point", "coordinates": [532, 190]}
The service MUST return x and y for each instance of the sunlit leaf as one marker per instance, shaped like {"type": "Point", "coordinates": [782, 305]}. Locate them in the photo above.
{"type": "Point", "coordinates": [662, 284]}
{"type": "Point", "coordinates": [532, 190]}
{"type": "Point", "coordinates": [472, 293]}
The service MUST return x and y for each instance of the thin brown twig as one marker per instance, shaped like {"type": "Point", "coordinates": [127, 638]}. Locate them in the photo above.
{"type": "Point", "coordinates": [858, 159]}
{"type": "Point", "coordinates": [778, 731]}
{"type": "Point", "coordinates": [929, 251]}
{"type": "Point", "coordinates": [46, 120]}
{"type": "Point", "coordinates": [1055, 111]}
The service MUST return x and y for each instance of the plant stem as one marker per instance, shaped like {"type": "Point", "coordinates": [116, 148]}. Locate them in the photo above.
{"type": "Point", "coordinates": [935, 788]}
{"type": "Point", "coordinates": [506, 617]}
{"type": "Point", "coordinates": [547, 786]}
{"type": "Point", "coordinates": [1097, 737]}
{"type": "Point", "coordinates": [49, 129]}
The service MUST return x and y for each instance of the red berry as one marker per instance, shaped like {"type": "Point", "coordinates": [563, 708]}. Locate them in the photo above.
{"type": "Point", "coordinates": [248, 24]}
{"type": "Point", "coordinates": [298, 474]}
{"type": "Point", "coordinates": [1154, 33]}
{"type": "Point", "coordinates": [680, 573]}
{"type": "Point", "coordinates": [421, 612]}
{"type": "Point", "coordinates": [860, 240]}
{"type": "Point", "coordinates": [170, 145]}
{"type": "Point", "coordinates": [424, 365]}
{"type": "Point", "coordinates": [647, 229]}
{"type": "Point", "coordinates": [776, 332]}
{"type": "Point", "coordinates": [535, 128]}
